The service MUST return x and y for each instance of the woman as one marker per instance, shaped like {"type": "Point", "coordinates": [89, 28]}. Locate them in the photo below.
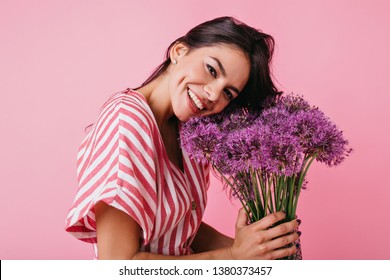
{"type": "Point", "coordinates": [140, 195]}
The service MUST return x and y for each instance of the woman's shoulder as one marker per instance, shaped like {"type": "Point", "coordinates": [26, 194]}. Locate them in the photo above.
{"type": "Point", "coordinates": [129, 97]}
{"type": "Point", "coordinates": [129, 103]}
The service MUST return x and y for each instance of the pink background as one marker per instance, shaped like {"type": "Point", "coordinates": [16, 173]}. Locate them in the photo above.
{"type": "Point", "coordinates": [60, 60]}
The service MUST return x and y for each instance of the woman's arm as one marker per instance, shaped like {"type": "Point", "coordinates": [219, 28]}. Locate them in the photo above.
{"type": "Point", "coordinates": [118, 237]}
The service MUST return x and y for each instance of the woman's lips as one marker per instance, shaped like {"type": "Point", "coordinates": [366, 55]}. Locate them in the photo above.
{"type": "Point", "coordinates": [195, 100]}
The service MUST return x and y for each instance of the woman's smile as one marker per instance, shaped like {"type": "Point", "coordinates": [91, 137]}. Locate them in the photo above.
{"type": "Point", "coordinates": [195, 100]}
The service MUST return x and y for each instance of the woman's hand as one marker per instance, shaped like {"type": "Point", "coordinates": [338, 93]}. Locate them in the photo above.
{"type": "Point", "coordinates": [258, 241]}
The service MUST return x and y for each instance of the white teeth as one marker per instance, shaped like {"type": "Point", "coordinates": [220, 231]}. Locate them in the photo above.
{"type": "Point", "coordinates": [195, 99]}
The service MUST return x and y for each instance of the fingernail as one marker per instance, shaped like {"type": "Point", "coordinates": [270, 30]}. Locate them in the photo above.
{"type": "Point", "coordinates": [299, 222]}
{"type": "Point", "coordinates": [299, 233]}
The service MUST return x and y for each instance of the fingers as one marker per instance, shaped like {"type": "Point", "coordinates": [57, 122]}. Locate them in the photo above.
{"type": "Point", "coordinates": [279, 237]}
{"type": "Point", "coordinates": [282, 241]}
{"type": "Point", "coordinates": [284, 252]}
{"type": "Point", "coordinates": [264, 239]}
{"type": "Point", "coordinates": [281, 229]}
{"type": "Point", "coordinates": [279, 247]}
{"type": "Point", "coordinates": [270, 220]}
{"type": "Point", "coordinates": [242, 218]}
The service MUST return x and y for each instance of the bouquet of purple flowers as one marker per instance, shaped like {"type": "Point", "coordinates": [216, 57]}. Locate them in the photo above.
{"type": "Point", "coordinates": [264, 156]}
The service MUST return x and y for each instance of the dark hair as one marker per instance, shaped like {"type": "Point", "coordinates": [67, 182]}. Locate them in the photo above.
{"type": "Point", "coordinates": [257, 45]}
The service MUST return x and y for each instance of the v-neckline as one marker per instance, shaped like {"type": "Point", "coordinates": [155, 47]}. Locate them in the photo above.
{"type": "Point", "coordinates": [182, 172]}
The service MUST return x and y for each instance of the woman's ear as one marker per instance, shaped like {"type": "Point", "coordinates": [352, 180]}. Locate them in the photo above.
{"type": "Point", "coordinates": [177, 51]}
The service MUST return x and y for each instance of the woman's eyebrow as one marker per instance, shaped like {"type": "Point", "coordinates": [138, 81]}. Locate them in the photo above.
{"type": "Point", "coordinates": [223, 72]}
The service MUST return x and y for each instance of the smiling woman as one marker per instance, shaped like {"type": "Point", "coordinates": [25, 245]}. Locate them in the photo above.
{"type": "Point", "coordinates": [140, 196]}
{"type": "Point", "coordinates": [206, 79]}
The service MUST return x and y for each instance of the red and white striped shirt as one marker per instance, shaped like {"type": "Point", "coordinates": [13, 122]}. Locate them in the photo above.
{"type": "Point", "coordinates": [123, 162]}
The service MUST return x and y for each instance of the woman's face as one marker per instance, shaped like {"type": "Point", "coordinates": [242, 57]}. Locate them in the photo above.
{"type": "Point", "coordinates": [205, 80]}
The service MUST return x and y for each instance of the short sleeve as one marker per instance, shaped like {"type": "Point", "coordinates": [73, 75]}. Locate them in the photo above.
{"type": "Point", "coordinates": [116, 165]}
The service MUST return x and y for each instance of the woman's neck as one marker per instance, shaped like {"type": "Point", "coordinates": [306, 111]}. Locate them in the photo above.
{"type": "Point", "coordinates": [158, 98]}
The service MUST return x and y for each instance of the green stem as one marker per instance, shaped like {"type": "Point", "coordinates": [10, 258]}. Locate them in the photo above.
{"type": "Point", "coordinates": [276, 193]}
{"type": "Point", "coordinates": [284, 193]}
{"type": "Point", "coordinates": [255, 187]}
{"type": "Point", "coordinates": [263, 186]}
{"type": "Point", "coordinates": [291, 187]}
{"type": "Point", "coordinates": [271, 204]}
{"type": "Point", "coordinates": [308, 161]}
{"type": "Point", "coordinates": [244, 205]}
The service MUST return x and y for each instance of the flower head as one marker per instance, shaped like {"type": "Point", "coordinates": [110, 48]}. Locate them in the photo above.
{"type": "Point", "coordinates": [320, 137]}
{"type": "Point", "coordinates": [241, 150]}
{"type": "Point", "coordinates": [291, 102]}
{"type": "Point", "coordinates": [199, 139]}
{"type": "Point", "coordinates": [285, 156]}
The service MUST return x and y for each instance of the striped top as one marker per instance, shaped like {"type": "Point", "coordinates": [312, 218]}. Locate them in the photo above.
{"type": "Point", "coordinates": [123, 162]}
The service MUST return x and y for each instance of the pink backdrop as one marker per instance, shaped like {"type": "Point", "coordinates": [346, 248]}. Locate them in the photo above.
{"type": "Point", "coordinates": [60, 60]}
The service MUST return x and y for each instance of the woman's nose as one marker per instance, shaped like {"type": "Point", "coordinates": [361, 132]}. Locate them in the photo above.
{"type": "Point", "coordinates": [212, 94]}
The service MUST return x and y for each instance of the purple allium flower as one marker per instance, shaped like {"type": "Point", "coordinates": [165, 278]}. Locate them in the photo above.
{"type": "Point", "coordinates": [292, 103]}
{"type": "Point", "coordinates": [238, 118]}
{"type": "Point", "coordinates": [208, 138]}
{"type": "Point", "coordinates": [199, 139]}
{"type": "Point", "coordinates": [235, 154]}
{"type": "Point", "coordinates": [320, 137]}
{"type": "Point", "coordinates": [232, 118]}
{"type": "Point", "coordinates": [236, 140]}
{"type": "Point", "coordinates": [269, 149]}
{"type": "Point", "coordinates": [333, 148]}
{"type": "Point", "coordinates": [285, 154]}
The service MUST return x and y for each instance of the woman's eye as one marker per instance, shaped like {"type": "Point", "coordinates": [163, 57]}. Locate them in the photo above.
{"type": "Point", "coordinates": [212, 70]}
{"type": "Point", "coordinates": [228, 94]}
